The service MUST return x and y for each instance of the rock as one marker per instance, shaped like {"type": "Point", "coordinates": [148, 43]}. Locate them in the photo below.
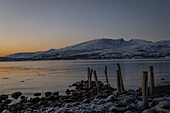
{"type": "Point", "coordinates": [67, 105]}
{"type": "Point", "coordinates": [101, 101]}
{"type": "Point", "coordinates": [156, 101]}
{"type": "Point", "coordinates": [132, 105]}
{"type": "Point", "coordinates": [74, 93]}
{"type": "Point", "coordinates": [99, 96]}
{"type": "Point", "coordinates": [133, 92]}
{"type": "Point", "coordinates": [37, 94]}
{"type": "Point", "coordinates": [56, 93]}
{"type": "Point", "coordinates": [22, 97]}
{"type": "Point", "coordinates": [85, 101]}
{"type": "Point", "coordinates": [27, 112]}
{"type": "Point", "coordinates": [152, 110]}
{"type": "Point", "coordinates": [105, 95]}
{"type": "Point", "coordinates": [129, 111]}
{"type": "Point", "coordinates": [6, 111]}
{"type": "Point", "coordinates": [7, 101]}
{"type": "Point", "coordinates": [27, 103]}
{"type": "Point", "coordinates": [139, 105]}
{"type": "Point", "coordinates": [162, 78]}
{"type": "Point", "coordinates": [68, 92]}
{"type": "Point", "coordinates": [48, 94]}
{"type": "Point", "coordinates": [116, 109]}
{"type": "Point", "coordinates": [68, 100]}
{"type": "Point", "coordinates": [42, 102]}
{"type": "Point", "coordinates": [164, 104]}
{"type": "Point", "coordinates": [76, 103]}
{"type": "Point", "coordinates": [3, 97]}
{"type": "Point", "coordinates": [51, 98]}
{"type": "Point", "coordinates": [16, 95]}
{"type": "Point", "coordinates": [35, 100]}
{"type": "Point", "coordinates": [111, 98]}
{"type": "Point", "coordinates": [50, 110]}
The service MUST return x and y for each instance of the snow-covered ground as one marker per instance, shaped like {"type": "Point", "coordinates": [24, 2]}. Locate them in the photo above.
{"type": "Point", "coordinates": [103, 48]}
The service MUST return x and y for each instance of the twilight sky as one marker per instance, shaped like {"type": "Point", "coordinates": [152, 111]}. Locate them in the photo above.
{"type": "Point", "coordinates": [33, 25]}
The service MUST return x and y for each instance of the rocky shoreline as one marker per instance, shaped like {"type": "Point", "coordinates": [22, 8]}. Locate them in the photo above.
{"type": "Point", "coordinates": [82, 99]}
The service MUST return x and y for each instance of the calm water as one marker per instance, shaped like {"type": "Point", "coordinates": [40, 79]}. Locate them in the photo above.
{"type": "Point", "coordinates": [40, 76]}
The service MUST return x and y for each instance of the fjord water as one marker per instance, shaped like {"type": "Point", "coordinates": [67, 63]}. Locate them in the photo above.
{"type": "Point", "coordinates": [41, 76]}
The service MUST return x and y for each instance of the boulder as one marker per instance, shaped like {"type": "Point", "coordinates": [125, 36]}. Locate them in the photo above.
{"type": "Point", "coordinates": [152, 110]}
{"type": "Point", "coordinates": [48, 94]}
{"type": "Point", "coordinates": [7, 101]}
{"type": "Point", "coordinates": [6, 111]}
{"type": "Point", "coordinates": [22, 97]}
{"type": "Point", "coordinates": [117, 109]}
{"type": "Point", "coordinates": [3, 97]}
{"type": "Point", "coordinates": [37, 94]}
{"type": "Point", "coordinates": [56, 93]}
{"type": "Point", "coordinates": [68, 92]}
{"type": "Point", "coordinates": [111, 98]}
{"type": "Point", "coordinates": [85, 101]}
{"type": "Point", "coordinates": [164, 104]}
{"type": "Point", "coordinates": [16, 95]}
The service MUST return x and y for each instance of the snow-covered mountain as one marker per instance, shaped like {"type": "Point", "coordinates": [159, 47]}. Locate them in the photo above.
{"type": "Point", "coordinates": [102, 48]}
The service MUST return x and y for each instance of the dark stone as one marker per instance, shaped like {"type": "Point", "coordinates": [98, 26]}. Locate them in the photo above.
{"type": "Point", "coordinates": [3, 97]}
{"type": "Point", "coordinates": [162, 78]}
{"type": "Point", "coordinates": [85, 101]}
{"type": "Point", "coordinates": [68, 100]}
{"type": "Point", "coordinates": [48, 94]}
{"type": "Point", "coordinates": [100, 96]}
{"type": "Point", "coordinates": [37, 94]}
{"type": "Point", "coordinates": [22, 97]}
{"type": "Point", "coordinates": [7, 101]}
{"type": "Point", "coordinates": [74, 84]}
{"type": "Point", "coordinates": [57, 104]}
{"type": "Point", "coordinates": [74, 93]}
{"type": "Point", "coordinates": [51, 97]}
{"type": "Point", "coordinates": [42, 102]}
{"type": "Point", "coordinates": [68, 92]}
{"type": "Point", "coordinates": [111, 98]}
{"type": "Point", "coordinates": [16, 95]}
{"type": "Point", "coordinates": [56, 93]}
{"type": "Point", "coordinates": [35, 100]}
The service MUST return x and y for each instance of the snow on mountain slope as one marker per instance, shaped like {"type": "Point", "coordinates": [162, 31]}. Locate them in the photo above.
{"type": "Point", "coordinates": [102, 48]}
{"type": "Point", "coordinates": [100, 44]}
{"type": "Point", "coordinates": [20, 55]}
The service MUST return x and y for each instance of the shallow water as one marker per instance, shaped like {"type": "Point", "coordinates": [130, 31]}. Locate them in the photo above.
{"type": "Point", "coordinates": [41, 76]}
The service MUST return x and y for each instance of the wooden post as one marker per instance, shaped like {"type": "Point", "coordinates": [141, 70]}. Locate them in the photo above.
{"type": "Point", "coordinates": [106, 76]}
{"type": "Point", "coordinates": [96, 81]}
{"type": "Point", "coordinates": [151, 80]}
{"type": "Point", "coordinates": [118, 81]}
{"type": "Point", "coordinates": [145, 89]}
{"type": "Point", "coordinates": [121, 80]}
{"type": "Point", "coordinates": [90, 77]}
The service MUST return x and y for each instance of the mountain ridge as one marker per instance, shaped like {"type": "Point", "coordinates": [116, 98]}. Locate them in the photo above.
{"type": "Point", "coordinates": [101, 49]}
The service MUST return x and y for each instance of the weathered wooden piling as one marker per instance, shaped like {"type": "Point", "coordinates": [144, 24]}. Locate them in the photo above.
{"type": "Point", "coordinates": [88, 76]}
{"type": "Point", "coordinates": [145, 89]}
{"type": "Point", "coordinates": [118, 81]}
{"type": "Point", "coordinates": [151, 80]}
{"type": "Point", "coordinates": [107, 81]}
{"type": "Point", "coordinates": [96, 81]}
{"type": "Point", "coordinates": [121, 80]}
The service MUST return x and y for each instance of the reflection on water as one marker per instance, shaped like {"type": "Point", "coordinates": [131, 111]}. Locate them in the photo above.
{"type": "Point", "coordinates": [41, 76]}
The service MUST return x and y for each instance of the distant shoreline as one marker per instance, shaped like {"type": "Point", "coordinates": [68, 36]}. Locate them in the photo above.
{"type": "Point", "coordinates": [20, 60]}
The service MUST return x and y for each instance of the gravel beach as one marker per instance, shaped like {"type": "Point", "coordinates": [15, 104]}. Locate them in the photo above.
{"type": "Point", "coordinates": [82, 99]}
